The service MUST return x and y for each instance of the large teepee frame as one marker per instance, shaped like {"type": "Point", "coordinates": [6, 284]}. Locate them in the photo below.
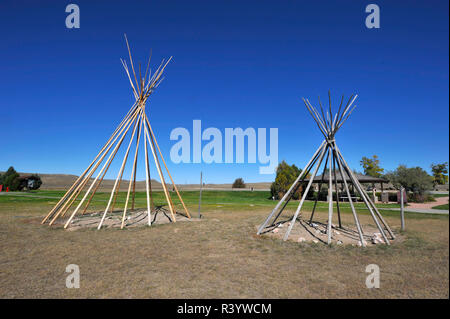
{"type": "Point", "coordinates": [328, 125]}
{"type": "Point", "coordinates": [136, 120]}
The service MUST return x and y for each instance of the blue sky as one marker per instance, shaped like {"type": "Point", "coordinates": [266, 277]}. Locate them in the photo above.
{"type": "Point", "coordinates": [236, 64]}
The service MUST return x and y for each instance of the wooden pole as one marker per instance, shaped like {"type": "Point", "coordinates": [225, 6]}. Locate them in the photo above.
{"type": "Point", "coordinates": [337, 115]}
{"type": "Point", "coordinates": [288, 193]}
{"type": "Point", "coordinates": [402, 209]}
{"type": "Point", "coordinates": [135, 93]}
{"type": "Point", "coordinates": [133, 173]}
{"type": "Point", "coordinates": [127, 126]}
{"type": "Point", "coordinates": [286, 235]}
{"type": "Point", "coordinates": [87, 178]}
{"type": "Point", "coordinates": [95, 189]}
{"type": "Point", "coordinates": [355, 216]}
{"type": "Point", "coordinates": [147, 187]}
{"type": "Point", "coordinates": [200, 196]}
{"type": "Point", "coordinates": [344, 112]}
{"type": "Point", "coordinates": [131, 61]}
{"type": "Point", "coordinates": [167, 169]}
{"type": "Point", "coordinates": [331, 113]}
{"type": "Point", "coordinates": [120, 178]}
{"type": "Point", "coordinates": [135, 163]}
{"type": "Point", "coordinates": [158, 167]}
{"type": "Point", "coordinates": [337, 192]}
{"type": "Point", "coordinates": [312, 110]}
{"type": "Point", "coordinates": [64, 210]}
{"type": "Point", "coordinates": [309, 107]}
{"type": "Point", "coordinates": [323, 116]}
{"type": "Point", "coordinates": [361, 192]}
{"type": "Point", "coordinates": [101, 179]}
{"type": "Point", "coordinates": [367, 199]}
{"type": "Point", "coordinates": [294, 190]}
{"type": "Point", "coordinates": [119, 175]}
{"type": "Point", "coordinates": [152, 205]}
{"type": "Point", "coordinates": [330, 198]}
{"type": "Point", "coordinates": [320, 187]}
{"type": "Point", "coordinates": [71, 189]}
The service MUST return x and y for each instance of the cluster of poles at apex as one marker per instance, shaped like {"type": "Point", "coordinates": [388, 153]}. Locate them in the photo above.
{"type": "Point", "coordinates": [135, 120]}
{"type": "Point", "coordinates": [328, 124]}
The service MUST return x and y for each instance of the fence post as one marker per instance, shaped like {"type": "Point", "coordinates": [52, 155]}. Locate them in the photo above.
{"type": "Point", "coordinates": [402, 208]}
{"type": "Point", "coordinates": [200, 197]}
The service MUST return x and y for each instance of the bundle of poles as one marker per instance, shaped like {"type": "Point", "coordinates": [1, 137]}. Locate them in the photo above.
{"type": "Point", "coordinates": [137, 122]}
{"type": "Point", "coordinates": [328, 123]}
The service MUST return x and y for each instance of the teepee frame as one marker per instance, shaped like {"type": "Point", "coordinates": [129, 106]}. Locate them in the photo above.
{"type": "Point", "coordinates": [137, 121]}
{"type": "Point", "coordinates": [328, 124]}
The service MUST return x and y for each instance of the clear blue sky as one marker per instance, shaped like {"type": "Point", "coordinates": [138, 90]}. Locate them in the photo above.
{"type": "Point", "coordinates": [236, 64]}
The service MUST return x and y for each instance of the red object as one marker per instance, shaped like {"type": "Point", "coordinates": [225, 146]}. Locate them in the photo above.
{"type": "Point", "coordinates": [7, 189]}
{"type": "Point", "coordinates": [405, 199]}
{"type": "Point", "coordinates": [1, 187]}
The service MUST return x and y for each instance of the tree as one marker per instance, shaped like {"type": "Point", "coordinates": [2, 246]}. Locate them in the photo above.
{"type": "Point", "coordinates": [10, 179]}
{"type": "Point", "coordinates": [286, 175]}
{"type": "Point", "coordinates": [413, 179]}
{"type": "Point", "coordinates": [238, 183]}
{"type": "Point", "coordinates": [440, 173]}
{"type": "Point", "coordinates": [371, 166]}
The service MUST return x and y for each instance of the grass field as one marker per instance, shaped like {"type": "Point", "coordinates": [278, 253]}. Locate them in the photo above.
{"type": "Point", "coordinates": [218, 257]}
{"type": "Point", "coordinates": [445, 206]}
{"type": "Point", "coordinates": [439, 195]}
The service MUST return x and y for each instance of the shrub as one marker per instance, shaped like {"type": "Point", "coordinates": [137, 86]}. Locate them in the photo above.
{"type": "Point", "coordinates": [10, 179]}
{"type": "Point", "coordinates": [238, 183]}
{"type": "Point", "coordinates": [420, 198]}
{"type": "Point", "coordinates": [32, 182]}
{"type": "Point", "coordinates": [286, 175]}
{"type": "Point", "coordinates": [413, 179]}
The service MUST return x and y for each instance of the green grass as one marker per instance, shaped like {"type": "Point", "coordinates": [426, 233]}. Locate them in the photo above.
{"type": "Point", "coordinates": [439, 195]}
{"type": "Point", "coordinates": [445, 206]}
{"type": "Point", "coordinates": [226, 199]}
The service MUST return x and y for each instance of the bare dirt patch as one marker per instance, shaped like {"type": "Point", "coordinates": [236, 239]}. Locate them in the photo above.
{"type": "Point", "coordinates": [220, 257]}
{"type": "Point", "coordinates": [316, 232]}
{"type": "Point", "coordinates": [135, 218]}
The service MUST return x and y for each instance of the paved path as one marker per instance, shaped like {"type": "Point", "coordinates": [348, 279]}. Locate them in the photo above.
{"type": "Point", "coordinates": [439, 201]}
{"type": "Point", "coordinates": [425, 208]}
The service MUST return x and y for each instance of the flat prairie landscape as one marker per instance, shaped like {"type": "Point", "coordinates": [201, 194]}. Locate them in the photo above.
{"type": "Point", "coordinates": [219, 256]}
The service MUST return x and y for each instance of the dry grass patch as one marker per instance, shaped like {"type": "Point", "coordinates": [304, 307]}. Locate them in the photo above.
{"type": "Point", "coordinates": [220, 257]}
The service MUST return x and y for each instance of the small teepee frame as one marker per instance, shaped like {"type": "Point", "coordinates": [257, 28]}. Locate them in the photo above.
{"type": "Point", "coordinates": [136, 120]}
{"type": "Point", "coordinates": [328, 124]}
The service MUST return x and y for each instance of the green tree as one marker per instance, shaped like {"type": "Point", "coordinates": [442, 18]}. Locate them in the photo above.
{"type": "Point", "coordinates": [10, 179]}
{"type": "Point", "coordinates": [413, 179]}
{"type": "Point", "coordinates": [440, 173]}
{"type": "Point", "coordinates": [371, 166]}
{"type": "Point", "coordinates": [286, 175]}
{"type": "Point", "coordinates": [238, 183]}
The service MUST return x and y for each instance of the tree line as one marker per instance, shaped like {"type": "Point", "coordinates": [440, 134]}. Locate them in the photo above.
{"type": "Point", "coordinates": [415, 180]}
